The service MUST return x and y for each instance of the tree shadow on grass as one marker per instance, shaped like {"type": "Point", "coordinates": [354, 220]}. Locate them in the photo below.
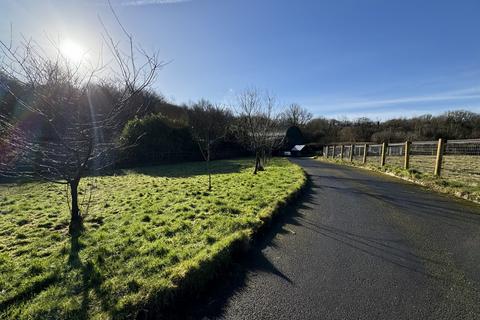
{"type": "Point", "coordinates": [91, 277]}
{"type": "Point", "coordinates": [29, 292]}
{"type": "Point", "coordinates": [188, 169]}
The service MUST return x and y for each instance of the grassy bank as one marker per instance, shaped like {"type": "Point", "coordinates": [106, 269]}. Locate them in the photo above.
{"type": "Point", "coordinates": [149, 234]}
{"type": "Point", "coordinates": [460, 179]}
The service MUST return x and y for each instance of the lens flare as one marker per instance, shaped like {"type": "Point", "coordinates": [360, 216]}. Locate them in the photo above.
{"type": "Point", "coordinates": [72, 51]}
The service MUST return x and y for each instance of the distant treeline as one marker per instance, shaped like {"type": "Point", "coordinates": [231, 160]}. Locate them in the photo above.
{"type": "Point", "coordinates": [155, 130]}
{"type": "Point", "coordinates": [458, 124]}
{"type": "Point", "coordinates": [160, 131]}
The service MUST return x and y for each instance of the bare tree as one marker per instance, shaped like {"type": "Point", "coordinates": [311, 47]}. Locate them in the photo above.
{"type": "Point", "coordinates": [295, 115]}
{"type": "Point", "coordinates": [209, 124]}
{"type": "Point", "coordinates": [257, 125]}
{"type": "Point", "coordinates": [68, 137]}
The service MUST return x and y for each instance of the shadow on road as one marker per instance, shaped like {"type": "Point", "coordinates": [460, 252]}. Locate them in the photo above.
{"type": "Point", "coordinates": [393, 250]}
{"type": "Point", "coordinates": [213, 304]}
{"type": "Point", "coordinates": [423, 203]}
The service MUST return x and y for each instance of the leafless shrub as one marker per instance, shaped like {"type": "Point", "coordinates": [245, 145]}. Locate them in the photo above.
{"type": "Point", "coordinates": [258, 126]}
{"type": "Point", "coordinates": [66, 135]}
{"type": "Point", "coordinates": [209, 123]}
{"type": "Point", "coordinates": [295, 115]}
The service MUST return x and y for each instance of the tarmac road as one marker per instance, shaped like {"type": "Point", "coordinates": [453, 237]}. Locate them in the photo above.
{"type": "Point", "coordinates": [360, 245]}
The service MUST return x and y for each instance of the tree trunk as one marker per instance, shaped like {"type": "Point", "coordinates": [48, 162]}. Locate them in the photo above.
{"type": "Point", "coordinates": [257, 163]}
{"type": "Point", "coordinates": [75, 213]}
{"type": "Point", "coordinates": [208, 170]}
{"type": "Point", "coordinates": [261, 162]}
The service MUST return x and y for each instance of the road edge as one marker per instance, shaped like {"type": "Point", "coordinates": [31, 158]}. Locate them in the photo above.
{"type": "Point", "coordinates": [426, 184]}
{"type": "Point", "coordinates": [200, 280]}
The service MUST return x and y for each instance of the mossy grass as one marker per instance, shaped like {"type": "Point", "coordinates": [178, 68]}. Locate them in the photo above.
{"type": "Point", "coordinates": [149, 235]}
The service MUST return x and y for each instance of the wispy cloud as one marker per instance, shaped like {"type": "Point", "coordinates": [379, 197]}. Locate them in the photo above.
{"type": "Point", "coordinates": [391, 113]}
{"type": "Point", "coordinates": [358, 104]}
{"type": "Point", "coordinates": [149, 2]}
{"type": "Point", "coordinates": [134, 3]}
{"type": "Point", "coordinates": [403, 100]}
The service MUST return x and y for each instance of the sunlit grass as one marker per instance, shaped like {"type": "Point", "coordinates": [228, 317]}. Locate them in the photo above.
{"type": "Point", "coordinates": [146, 233]}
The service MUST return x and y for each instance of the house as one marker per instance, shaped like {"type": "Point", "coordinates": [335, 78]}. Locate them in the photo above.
{"type": "Point", "coordinates": [300, 150]}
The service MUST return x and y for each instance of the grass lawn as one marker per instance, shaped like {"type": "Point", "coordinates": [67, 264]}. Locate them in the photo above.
{"type": "Point", "coordinates": [148, 233]}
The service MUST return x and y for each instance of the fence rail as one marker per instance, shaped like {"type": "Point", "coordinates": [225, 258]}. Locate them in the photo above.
{"type": "Point", "coordinates": [449, 158]}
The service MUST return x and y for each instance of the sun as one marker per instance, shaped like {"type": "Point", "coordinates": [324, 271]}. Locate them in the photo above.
{"type": "Point", "coordinates": [72, 51]}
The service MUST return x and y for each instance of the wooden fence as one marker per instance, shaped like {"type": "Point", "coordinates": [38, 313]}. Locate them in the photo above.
{"type": "Point", "coordinates": [453, 156]}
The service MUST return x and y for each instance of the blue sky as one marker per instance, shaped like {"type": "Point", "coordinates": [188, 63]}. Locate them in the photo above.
{"type": "Point", "coordinates": [338, 58]}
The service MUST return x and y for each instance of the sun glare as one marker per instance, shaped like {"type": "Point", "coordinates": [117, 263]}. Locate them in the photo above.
{"type": "Point", "coordinates": [73, 51]}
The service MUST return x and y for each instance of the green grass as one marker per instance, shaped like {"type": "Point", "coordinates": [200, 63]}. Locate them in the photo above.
{"type": "Point", "coordinates": [149, 234]}
{"type": "Point", "coordinates": [460, 174]}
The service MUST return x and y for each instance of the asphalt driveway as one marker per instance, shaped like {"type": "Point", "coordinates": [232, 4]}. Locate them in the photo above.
{"type": "Point", "coordinates": [360, 245]}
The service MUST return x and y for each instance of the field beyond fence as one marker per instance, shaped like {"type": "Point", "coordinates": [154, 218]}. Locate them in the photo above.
{"type": "Point", "coordinates": [452, 164]}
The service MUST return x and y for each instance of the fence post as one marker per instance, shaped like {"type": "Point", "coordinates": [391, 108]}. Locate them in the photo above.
{"type": "Point", "coordinates": [352, 150]}
{"type": "Point", "coordinates": [438, 161]}
{"type": "Point", "coordinates": [384, 152]}
{"type": "Point", "coordinates": [334, 150]}
{"type": "Point", "coordinates": [341, 152]}
{"type": "Point", "coordinates": [406, 163]}
{"type": "Point", "coordinates": [365, 153]}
